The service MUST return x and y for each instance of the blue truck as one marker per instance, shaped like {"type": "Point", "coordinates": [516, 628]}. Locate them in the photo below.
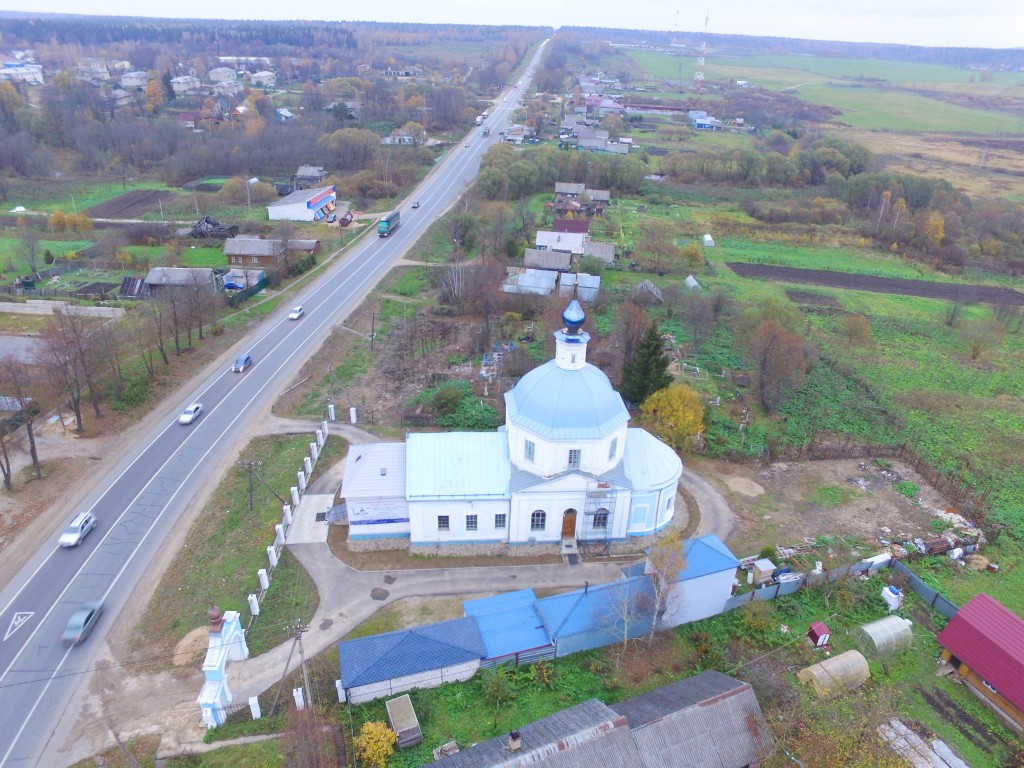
{"type": "Point", "coordinates": [388, 224]}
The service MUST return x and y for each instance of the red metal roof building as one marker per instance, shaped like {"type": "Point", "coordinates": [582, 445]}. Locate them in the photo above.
{"type": "Point", "coordinates": [985, 642]}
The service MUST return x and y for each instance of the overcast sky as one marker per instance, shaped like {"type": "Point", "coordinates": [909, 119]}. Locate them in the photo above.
{"type": "Point", "coordinates": [965, 23]}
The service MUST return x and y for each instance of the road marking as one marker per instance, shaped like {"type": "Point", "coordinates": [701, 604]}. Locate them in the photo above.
{"type": "Point", "coordinates": [19, 619]}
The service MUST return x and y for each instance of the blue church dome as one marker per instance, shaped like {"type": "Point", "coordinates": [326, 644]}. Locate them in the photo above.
{"type": "Point", "coordinates": [559, 404]}
{"type": "Point", "coordinates": [573, 317]}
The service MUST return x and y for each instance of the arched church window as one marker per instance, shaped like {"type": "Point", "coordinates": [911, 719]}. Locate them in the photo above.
{"type": "Point", "coordinates": [538, 520]}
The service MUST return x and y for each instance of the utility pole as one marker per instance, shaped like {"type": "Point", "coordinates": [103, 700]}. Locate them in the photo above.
{"type": "Point", "coordinates": [373, 326]}
{"type": "Point", "coordinates": [299, 629]}
{"type": "Point", "coordinates": [250, 467]}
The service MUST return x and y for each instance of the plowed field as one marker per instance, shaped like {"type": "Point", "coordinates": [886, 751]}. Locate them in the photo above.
{"type": "Point", "coordinates": [965, 294]}
{"type": "Point", "coordinates": [132, 204]}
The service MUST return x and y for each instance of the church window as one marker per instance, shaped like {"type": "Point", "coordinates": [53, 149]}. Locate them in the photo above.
{"type": "Point", "coordinates": [574, 458]}
{"type": "Point", "coordinates": [614, 447]}
{"type": "Point", "coordinates": [538, 520]}
{"type": "Point", "coordinates": [601, 520]}
{"type": "Point", "coordinates": [671, 503]}
{"type": "Point", "coordinates": [471, 522]}
{"type": "Point", "coordinates": [444, 523]}
{"type": "Point", "coordinates": [529, 450]}
{"type": "Point", "coordinates": [500, 521]}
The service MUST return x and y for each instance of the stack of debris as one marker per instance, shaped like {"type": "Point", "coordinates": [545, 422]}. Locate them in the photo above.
{"type": "Point", "coordinates": [209, 227]}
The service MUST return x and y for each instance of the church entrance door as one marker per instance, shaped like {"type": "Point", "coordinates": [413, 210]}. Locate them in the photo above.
{"type": "Point", "coordinates": [569, 524]}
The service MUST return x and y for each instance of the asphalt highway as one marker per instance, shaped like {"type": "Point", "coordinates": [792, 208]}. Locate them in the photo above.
{"type": "Point", "coordinates": [139, 502]}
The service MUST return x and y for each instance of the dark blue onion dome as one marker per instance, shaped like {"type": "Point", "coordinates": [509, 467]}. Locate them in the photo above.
{"type": "Point", "coordinates": [573, 317]}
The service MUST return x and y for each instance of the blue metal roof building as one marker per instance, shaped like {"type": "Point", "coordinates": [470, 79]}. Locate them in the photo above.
{"type": "Point", "coordinates": [457, 465]}
{"type": "Point", "coordinates": [410, 658]}
{"type": "Point", "coordinates": [511, 629]}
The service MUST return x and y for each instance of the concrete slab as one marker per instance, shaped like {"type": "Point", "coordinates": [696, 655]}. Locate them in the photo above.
{"type": "Point", "coordinates": [305, 529]}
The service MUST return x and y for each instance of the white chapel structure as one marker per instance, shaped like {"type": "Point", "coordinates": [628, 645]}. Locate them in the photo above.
{"type": "Point", "coordinates": [566, 465]}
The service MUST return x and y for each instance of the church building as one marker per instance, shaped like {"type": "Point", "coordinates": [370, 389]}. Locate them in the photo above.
{"type": "Point", "coordinates": [565, 467]}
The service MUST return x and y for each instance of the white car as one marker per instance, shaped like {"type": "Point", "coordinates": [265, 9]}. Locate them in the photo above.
{"type": "Point", "coordinates": [191, 413]}
{"type": "Point", "coordinates": [296, 313]}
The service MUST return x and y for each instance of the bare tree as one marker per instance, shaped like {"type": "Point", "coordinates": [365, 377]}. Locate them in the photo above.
{"type": "Point", "coordinates": [156, 326]}
{"type": "Point", "coordinates": [58, 357]}
{"type": "Point", "coordinates": [627, 603]}
{"type": "Point", "coordinates": [30, 248]}
{"type": "Point", "coordinates": [16, 379]}
{"type": "Point", "coordinates": [86, 348]}
{"type": "Point", "coordinates": [665, 561]}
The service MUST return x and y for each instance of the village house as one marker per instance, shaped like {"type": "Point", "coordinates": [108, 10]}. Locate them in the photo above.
{"type": "Point", "coordinates": [263, 79]}
{"type": "Point", "coordinates": [255, 252]}
{"type": "Point", "coordinates": [184, 84]}
{"type": "Point", "coordinates": [984, 642]}
{"type": "Point", "coordinates": [221, 74]}
{"type": "Point", "coordinates": [131, 80]}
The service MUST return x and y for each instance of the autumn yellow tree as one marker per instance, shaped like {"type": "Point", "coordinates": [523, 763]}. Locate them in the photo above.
{"type": "Point", "coordinates": [155, 93]}
{"type": "Point", "coordinates": [375, 744]}
{"type": "Point", "coordinates": [856, 329]}
{"type": "Point", "coordinates": [676, 415]}
{"type": "Point", "coordinates": [934, 228]}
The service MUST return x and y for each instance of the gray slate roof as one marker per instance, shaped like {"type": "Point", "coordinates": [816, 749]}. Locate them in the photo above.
{"type": "Point", "coordinates": [706, 721]}
{"type": "Point", "coordinates": [188, 276]}
{"type": "Point", "coordinates": [409, 651]}
{"type": "Point", "coordinates": [554, 260]}
{"type": "Point", "coordinates": [252, 246]}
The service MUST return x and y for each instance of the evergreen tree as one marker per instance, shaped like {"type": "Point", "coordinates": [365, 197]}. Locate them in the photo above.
{"type": "Point", "coordinates": [647, 370]}
{"type": "Point", "coordinates": [169, 94]}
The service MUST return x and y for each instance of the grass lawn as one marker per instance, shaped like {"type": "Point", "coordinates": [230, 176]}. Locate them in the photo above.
{"type": "Point", "coordinates": [70, 194]}
{"type": "Point", "coordinates": [12, 260]}
{"type": "Point", "coordinates": [226, 546]}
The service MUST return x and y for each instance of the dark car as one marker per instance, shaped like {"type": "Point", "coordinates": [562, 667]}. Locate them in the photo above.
{"type": "Point", "coordinates": [81, 622]}
{"type": "Point", "coordinates": [243, 362]}
{"type": "Point", "coordinates": [416, 204]}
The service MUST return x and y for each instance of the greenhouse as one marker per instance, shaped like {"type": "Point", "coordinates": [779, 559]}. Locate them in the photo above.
{"type": "Point", "coordinates": [836, 674]}
{"type": "Point", "coordinates": [888, 635]}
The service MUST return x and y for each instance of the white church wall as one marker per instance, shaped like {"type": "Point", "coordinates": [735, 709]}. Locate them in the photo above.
{"type": "Point", "coordinates": [424, 521]}
{"type": "Point", "coordinates": [643, 513]}
{"type": "Point", "coordinates": [551, 457]}
{"type": "Point", "coordinates": [696, 599]}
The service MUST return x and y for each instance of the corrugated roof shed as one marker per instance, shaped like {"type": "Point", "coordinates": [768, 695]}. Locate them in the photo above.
{"type": "Point", "coordinates": [409, 651]}
{"type": "Point", "coordinates": [987, 637]}
{"type": "Point", "coordinates": [454, 465]}
{"type": "Point", "coordinates": [539, 282]}
{"type": "Point", "coordinates": [561, 732]}
{"type": "Point", "coordinates": [604, 251]}
{"type": "Point", "coordinates": [555, 260]}
{"type": "Point", "coordinates": [580, 285]}
{"type": "Point", "coordinates": [181, 276]}
{"type": "Point", "coordinates": [508, 623]}
{"type": "Point", "coordinates": [374, 470]}
{"type": "Point", "coordinates": [599, 195]}
{"type": "Point", "coordinates": [252, 246]}
{"type": "Point", "coordinates": [706, 555]}
{"type": "Point", "coordinates": [705, 721]}
{"type": "Point", "coordinates": [567, 188]}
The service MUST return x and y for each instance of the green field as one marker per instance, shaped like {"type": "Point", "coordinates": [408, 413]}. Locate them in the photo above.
{"type": "Point", "coordinates": [70, 195]}
{"type": "Point", "coordinates": [872, 94]}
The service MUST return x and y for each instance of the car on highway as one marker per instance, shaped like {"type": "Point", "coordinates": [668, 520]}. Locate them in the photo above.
{"type": "Point", "coordinates": [467, 145]}
{"type": "Point", "coordinates": [243, 362]}
{"type": "Point", "coordinates": [296, 313]}
{"type": "Point", "coordinates": [81, 622]}
{"type": "Point", "coordinates": [191, 413]}
{"type": "Point", "coordinates": [416, 204]}
{"type": "Point", "coordinates": [77, 529]}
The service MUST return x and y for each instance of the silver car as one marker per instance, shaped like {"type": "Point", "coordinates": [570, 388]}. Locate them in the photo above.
{"type": "Point", "coordinates": [191, 413]}
{"type": "Point", "coordinates": [77, 529]}
{"type": "Point", "coordinates": [81, 622]}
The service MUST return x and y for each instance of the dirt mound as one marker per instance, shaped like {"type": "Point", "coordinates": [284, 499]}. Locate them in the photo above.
{"type": "Point", "coordinates": [132, 204]}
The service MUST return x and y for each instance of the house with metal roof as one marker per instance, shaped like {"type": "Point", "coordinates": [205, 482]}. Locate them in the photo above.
{"type": "Point", "coordinates": [197, 278]}
{"type": "Point", "coordinates": [566, 242]}
{"type": "Point", "coordinates": [304, 205]}
{"type": "Point", "coordinates": [705, 721]}
{"type": "Point", "coordinates": [600, 250]}
{"type": "Point", "coordinates": [373, 491]}
{"type": "Point", "coordinates": [564, 468]}
{"type": "Point", "coordinates": [705, 582]}
{"type": "Point", "coordinates": [557, 261]}
{"type": "Point", "coordinates": [984, 641]}
{"type": "Point", "coordinates": [420, 657]}
{"type": "Point", "coordinates": [536, 282]}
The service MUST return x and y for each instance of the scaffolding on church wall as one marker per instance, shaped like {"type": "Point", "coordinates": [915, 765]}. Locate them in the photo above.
{"type": "Point", "coordinates": [598, 514]}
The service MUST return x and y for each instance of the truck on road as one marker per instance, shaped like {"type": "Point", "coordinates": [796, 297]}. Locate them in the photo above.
{"type": "Point", "coordinates": [479, 119]}
{"type": "Point", "coordinates": [388, 224]}
{"type": "Point", "coordinates": [487, 132]}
